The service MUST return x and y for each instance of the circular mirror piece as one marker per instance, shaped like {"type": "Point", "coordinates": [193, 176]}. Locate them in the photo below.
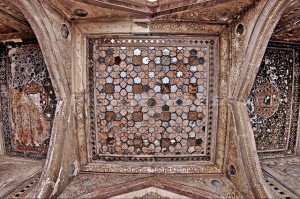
{"type": "Point", "coordinates": [232, 169]}
{"type": "Point", "coordinates": [64, 30]}
{"type": "Point", "coordinates": [216, 183]}
{"type": "Point", "coordinates": [80, 12]}
{"type": "Point", "coordinates": [240, 29]}
{"type": "Point", "coordinates": [72, 170]}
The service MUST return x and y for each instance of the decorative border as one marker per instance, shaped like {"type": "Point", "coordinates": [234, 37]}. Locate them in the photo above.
{"type": "Point", "coordinates": [4, 101]}
{"type": "Point", "coordinates": [213, 44]}
{"type": "Point", "coordinates": [152, 41]}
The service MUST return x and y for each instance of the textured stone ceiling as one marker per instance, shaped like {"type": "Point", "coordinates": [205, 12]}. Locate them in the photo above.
{"type": "Point", "coordinates": [14, 25]}
{"type": "Point", "coordinates": [6, 29]}
{"type": "Point", "coordinates": [12, 22]}
{"type": "Point", "coordinates": [218, 10]}
{"type": "Point", "coordinates": [288, 27]}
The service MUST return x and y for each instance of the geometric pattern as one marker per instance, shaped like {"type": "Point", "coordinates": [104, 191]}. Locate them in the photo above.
{"type": "Point", "coordinates": [150, 98]}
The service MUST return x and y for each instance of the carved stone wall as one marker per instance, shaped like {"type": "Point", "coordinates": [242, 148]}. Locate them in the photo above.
{"type": "Point", "coordinates": [28, 100]}
{"type": "Point", "coordinates": [274, 101]}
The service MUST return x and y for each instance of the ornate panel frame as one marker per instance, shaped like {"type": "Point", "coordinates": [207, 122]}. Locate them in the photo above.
{"type": "Point", "coordinates": [210, 43]}
{"type": "Point", "coordinates": [86, 31]}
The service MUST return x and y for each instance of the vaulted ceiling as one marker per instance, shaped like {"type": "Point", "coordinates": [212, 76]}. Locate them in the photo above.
{"type": "Point", "coordinates": [100, 51]}
{"type": "Point", "coordinates": [288, 28]}
{"type": "Point", "coordinates": [221, 10]}
{"type": "Point", "coordinates": [13, 24]}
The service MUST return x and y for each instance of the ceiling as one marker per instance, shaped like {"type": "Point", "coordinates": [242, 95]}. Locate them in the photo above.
{"type": "Point", "coordinates": [288, 27]}
{"type": "Point", "coordinates": [14, 25]}
{"type": "Point", "coordinates": [12, 22]}
{"type": "Point", "coordinates": [6, 29]}
{"type": "Point", "coordinates": [207, 10]}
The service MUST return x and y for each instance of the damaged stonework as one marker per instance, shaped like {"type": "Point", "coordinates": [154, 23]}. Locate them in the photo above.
{"type": "Point", "coordinates": [28, 123]}
{"type": "Point", "coordinates": [29, 101]}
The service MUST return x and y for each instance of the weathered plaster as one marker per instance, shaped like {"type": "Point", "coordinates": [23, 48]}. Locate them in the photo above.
{"type": "Point", "coordinates": [256, 45]}
{"type": "Point", "coordinates": [285, 171]}
{"type": "Point", "coordinates": [234, 158]}
{"type": "Point", "coordinates": [248, 150]}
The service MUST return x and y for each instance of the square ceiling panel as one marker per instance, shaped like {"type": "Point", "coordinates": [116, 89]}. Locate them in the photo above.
{"type": "Point", "coordinates": [151, 98]}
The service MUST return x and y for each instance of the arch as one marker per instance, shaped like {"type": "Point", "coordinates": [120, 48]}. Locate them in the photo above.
{"type": "Point", "coordinates": [42, 25]}
{"type": "Point", "coordinates": [256, 46]}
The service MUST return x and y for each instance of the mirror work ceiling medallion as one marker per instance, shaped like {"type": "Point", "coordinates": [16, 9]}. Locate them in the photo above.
{"type": "Point", "coordinates": [151, 98]}
{"type": "Point", "coordinates": [274, 101]}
